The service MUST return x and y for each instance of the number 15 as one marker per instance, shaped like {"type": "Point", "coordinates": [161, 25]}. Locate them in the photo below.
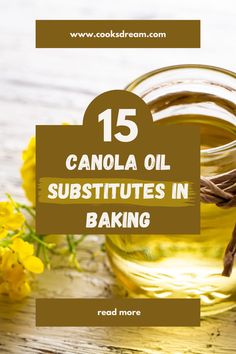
{"type": "Point", "coordinates": [122, 121]}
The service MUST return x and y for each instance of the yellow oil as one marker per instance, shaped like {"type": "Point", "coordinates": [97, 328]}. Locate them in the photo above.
{"type": "Point", "coordinates": [185, 266]}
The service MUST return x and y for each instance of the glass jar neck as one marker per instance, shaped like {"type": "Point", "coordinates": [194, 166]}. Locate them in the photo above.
{"type": "Point", "coordinates": [199, 95]}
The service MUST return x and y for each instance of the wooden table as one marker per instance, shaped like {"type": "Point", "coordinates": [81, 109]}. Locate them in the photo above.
{"type": "Point", "coordinates": [18, 333]}
{"type": "Point", "coordinates": [52, 86]}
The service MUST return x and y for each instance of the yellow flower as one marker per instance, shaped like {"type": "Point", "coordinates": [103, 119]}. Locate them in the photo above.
{"type": "Point", "coordinates": [10, 220]}
{"type": "Point", "coordinates": [25, 251]}
{"type": "Point", "coordinates": [17, 262]}
{"type": "Point", "coordinates": [28, 170]}
{"type": "Point", "coordinates": [20, 292]}
{"type": "Point", "coordinates": [13, 277]}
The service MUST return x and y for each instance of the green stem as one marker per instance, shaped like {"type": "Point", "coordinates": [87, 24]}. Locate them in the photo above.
{"type": "Point", "coordinates": [27, 208]}
{"type": "Point", "coordinates": [70, 243]}
{"type": "Point", "coordinates": [39, 245]}
{"type": "Point", "coordinates": [82, 237]}
{"type": "Point", "coordinates": [40, 241]}
{"type": "Point", "coordinates": [45, 256]}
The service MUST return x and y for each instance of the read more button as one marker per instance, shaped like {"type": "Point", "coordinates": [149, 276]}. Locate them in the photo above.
{"type": "Point", "coordinates": [117, 312]}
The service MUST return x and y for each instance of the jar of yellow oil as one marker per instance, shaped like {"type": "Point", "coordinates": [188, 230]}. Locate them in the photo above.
{"type": "Point", "coordinates": [187, 266]}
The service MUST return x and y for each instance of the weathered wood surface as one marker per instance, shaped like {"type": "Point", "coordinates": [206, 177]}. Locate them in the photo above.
{"type": "Point", "coordinates": [52, 86]}
{"type": "Point", "coordinates": [18, 333]}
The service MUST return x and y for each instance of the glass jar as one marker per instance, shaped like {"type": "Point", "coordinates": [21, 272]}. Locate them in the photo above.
{"type": "Point", "coordinates": [186, 266]}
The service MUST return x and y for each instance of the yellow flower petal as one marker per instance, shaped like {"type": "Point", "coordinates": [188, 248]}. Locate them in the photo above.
{"type": "Point", "coordinates": [28, 171]}
{"type": "Point", "coordinates": [22, 248]}
{"type": "Point", "coordinates": [19, 292]}
{"type": "Point", "coordinates": [16, 275]}
{"type": "Point", "coordinates": [14, 222]}
{"type": "Point", "coordinates": [2, 251]}
{"type": "Point", "coordinates": [34, 264]}
{"type": "Point", "coordinates": [3, 232]}
{"type": "Point", "coordinates": [25, 289]}
{"type": "Point", "coordinates": [9, 259]}
{"type": "Point", "coordinates": [6, 210]}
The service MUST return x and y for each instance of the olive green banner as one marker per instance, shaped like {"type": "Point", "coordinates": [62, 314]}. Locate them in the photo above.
{"type": "Point", "coordinates": [117, 34]}
{"type": "Point", "coordinates": [117, 312]}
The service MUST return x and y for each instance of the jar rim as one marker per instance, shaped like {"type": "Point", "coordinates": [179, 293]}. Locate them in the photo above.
{"type": "Point", "coordinates": [140, 79]}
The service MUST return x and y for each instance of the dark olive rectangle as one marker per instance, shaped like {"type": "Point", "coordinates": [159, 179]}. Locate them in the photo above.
{"type": "Point", "coordinates": [178, 33]}
{"type": "Point", "coordinates": [183, 153]}
{"type": "Point", "coordinates": [84, 312]}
